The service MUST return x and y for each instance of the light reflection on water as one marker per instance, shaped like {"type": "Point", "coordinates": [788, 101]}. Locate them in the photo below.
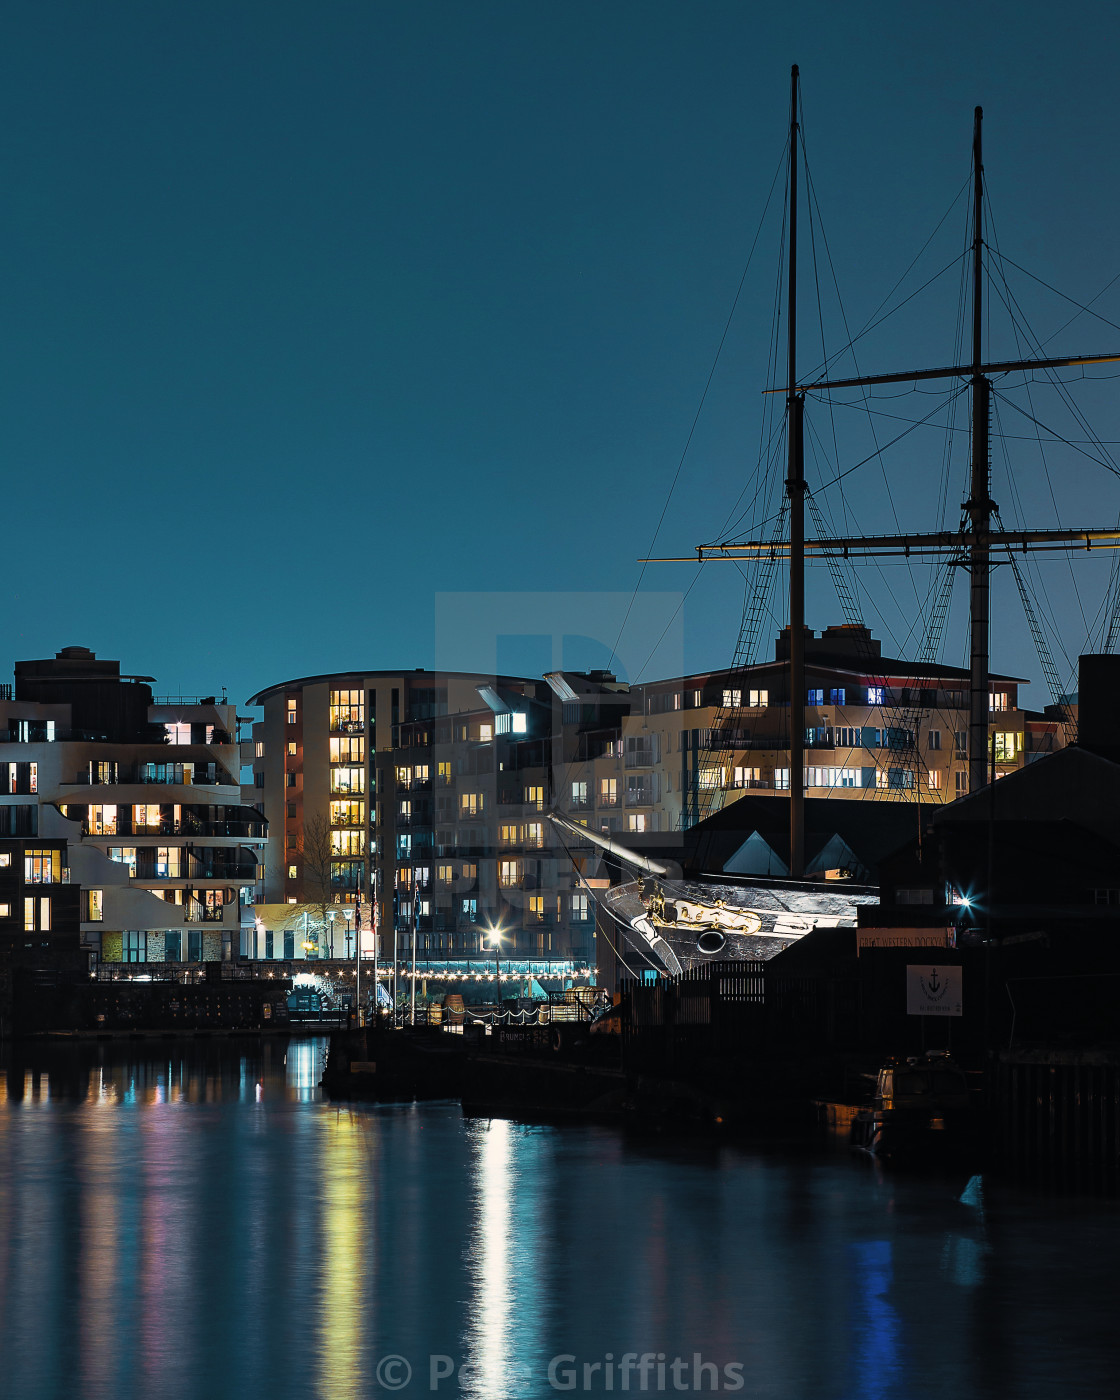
{"type": "Point", "coordinates": [193, 1222]}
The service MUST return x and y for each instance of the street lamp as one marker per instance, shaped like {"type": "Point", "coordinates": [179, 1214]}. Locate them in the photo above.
{"type": "Point", "coordinates": [495, 933]}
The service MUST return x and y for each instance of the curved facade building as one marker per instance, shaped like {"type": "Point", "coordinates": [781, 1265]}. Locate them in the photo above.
{"type": "Point", "coordinates": [425, 793]}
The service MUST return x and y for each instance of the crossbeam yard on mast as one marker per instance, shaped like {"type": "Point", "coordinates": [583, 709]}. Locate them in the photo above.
{"type": "Point", "coordinates": [905, 546]}
{"type": "Point", "coordinates": [952, 372]}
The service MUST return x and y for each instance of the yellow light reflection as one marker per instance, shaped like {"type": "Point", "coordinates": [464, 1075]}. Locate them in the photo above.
{"type": "Point", "coordinates": [490, 1368]}
{"type": "Point", "coordinates": [344, 1172]}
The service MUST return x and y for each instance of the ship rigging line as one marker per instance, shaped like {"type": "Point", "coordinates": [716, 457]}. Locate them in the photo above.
{"type": "Point", "coordinates": [1028, 336]}
{"type": "Point", "coordinates": [814, 206]}
{"type": "Point", "coordinates": [1068, 442]}
{"type": "Point", "coordinates": [703, 400]}
{"type": "Point", "coordinates": [872, 323]}
{"type": "Point", "coordinates": [1072, 300]}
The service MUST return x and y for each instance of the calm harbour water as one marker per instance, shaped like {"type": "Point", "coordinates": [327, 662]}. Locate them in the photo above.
{"type": "Point", "coordinates": [195, 1222]}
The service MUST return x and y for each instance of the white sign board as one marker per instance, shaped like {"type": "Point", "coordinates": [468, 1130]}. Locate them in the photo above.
{"type": "Point", "coordinates": [933, 990]}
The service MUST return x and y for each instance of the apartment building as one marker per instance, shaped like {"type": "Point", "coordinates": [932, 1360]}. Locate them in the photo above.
{"type": "Point", "coordinates": [133, 799]}
{"type": "Point", "coordinates": [424, 792]}
{"type": "Point", "coordinates": [661, 755]}
{"type": "Point", "coordinates": [427, 792]}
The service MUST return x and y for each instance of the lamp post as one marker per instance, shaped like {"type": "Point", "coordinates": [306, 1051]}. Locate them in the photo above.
{"type": "Point", "coordinates": [496, 940]}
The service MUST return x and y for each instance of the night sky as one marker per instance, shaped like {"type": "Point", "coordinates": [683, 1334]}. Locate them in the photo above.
{"type": "Point", "coordinates": [317, 320]}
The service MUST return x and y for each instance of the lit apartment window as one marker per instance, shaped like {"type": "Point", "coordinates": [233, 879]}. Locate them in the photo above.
{"type": "Point", "coordinates": [759, 699]}
{"type": "Point", "coordinates": [508, 873]}
{"type": "Point", "coordinates": [445, 874]}
{"type": "Point", "coordinates": [293, 872]}
{"type": "Point", "coordinates": [507, 834]}
{"type": "Point", "coordinates": [293, 708]}
{"type": "Point", "coordinates": [534, 797]}
{"type": "Point", "coordinates": [732, 699]}
{"type": "Point", "coordinates": [347, 709]}
{"type": "Point", "coordinates": [781, 779]}
{"type": "Point", "coordinates": [293, 750]}
{"type": "Point", "coordinates": [875, 694]}
{"type": "Point", "coordinates": [934, 739]}
{"type": "Point", "coordinates": [847, 737]}
{"type": "Point", "coordinates": [831, 777]}
{"type": "Point", "coordinates": [520, 723]}
{"type": "Point", "coordinates": [580, 908]}
{"type": "Point", "coordinates": [816, 697]}
{"type": "Point", "coordinates": [933, 779]}
{"type": "Point", "coordinates": [351, 748]}
{"type": "Point", "coordinates": [608, 792]}
{"type": "Point", "coordinates": [346, 843]}
{"type": "Point", "coordinates": [485, 733]}
{"type": "Point", "coordinates": [178, 733]}
{"type": "Point", "coordinates": [348, 780]}
{"type": "Point", "coordinates": [536, 907]}
{"type": "Point", "coordinates": [534, 834]}
{"type": "Point", "coordinates": [743, 777]}
{"type": "Point", "coordinates": [347, 812]}
{"type": "Point", "coordinates": [259, 750]}
{"type": "Point", "coordinates": [95, 911]}
{"type": "Point", "coordinates": [5, 911]}
{"type": "Point", "coordinates": [836, 697]}
{"type": "Point", "coordinates": [997, 700]}
{"type": "Point", "coordinates": [42, 867]}
{"type": "Point", "coordinates": [145, 816]}
{"type": "Point", "coordinates": [443, 772]}
{"type": "Point", "coordinates": [1008, 746]}
{"type": "Point", "coordinates": [471, 803]}
{"type": "Point", "coordinates": [125, 855]}
{"type": "Point", "coordinates": [171, 861]}
{"type": "Point", "coordinates": [470, 870]}
{"type": "Point", "coordinates": [579, 796]}
{"type": "Point", "coordinates": [962, 741]}
{"type": "Point", "coordinates": [636, 821]}
{"type": "Point", "coordinates": [5, 859]}
{"type": "Point", "coordinates": [31, 906]}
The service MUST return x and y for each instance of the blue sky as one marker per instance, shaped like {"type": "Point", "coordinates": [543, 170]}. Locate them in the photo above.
{"type": "Point", "coordinates": [313, 316]}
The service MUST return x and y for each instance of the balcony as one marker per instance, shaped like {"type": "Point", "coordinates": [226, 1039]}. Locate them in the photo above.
{"type": "Point", "coordinates": [348, 726]}
{"type": "Point", "coordinates": [640, 758]}
{"type": "Point", "coordinates": [124, 826]}
{"type": "Point", "coordinates": [205, 913]}
{"type": "Point", "coordinates": [173, 774]}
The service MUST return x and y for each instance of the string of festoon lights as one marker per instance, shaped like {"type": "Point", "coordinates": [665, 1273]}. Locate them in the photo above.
{"type": "Point", "coordinates": [420, 976]}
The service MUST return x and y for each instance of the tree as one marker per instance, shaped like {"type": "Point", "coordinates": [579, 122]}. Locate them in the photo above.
{"type": "Point", "coordinates": [318, 895]}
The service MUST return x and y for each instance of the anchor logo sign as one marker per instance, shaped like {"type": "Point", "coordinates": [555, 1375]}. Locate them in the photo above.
{"type": "Point", "coordinates": [933, 986]}
{"type": "Point", "coordinates": [933, 991]}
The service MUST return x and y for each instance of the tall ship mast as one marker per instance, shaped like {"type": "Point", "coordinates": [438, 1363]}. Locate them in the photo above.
{"type": "Point", "coordinates": [974, 544]}
{"type": "Point", "coordinates": [678, 923]}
